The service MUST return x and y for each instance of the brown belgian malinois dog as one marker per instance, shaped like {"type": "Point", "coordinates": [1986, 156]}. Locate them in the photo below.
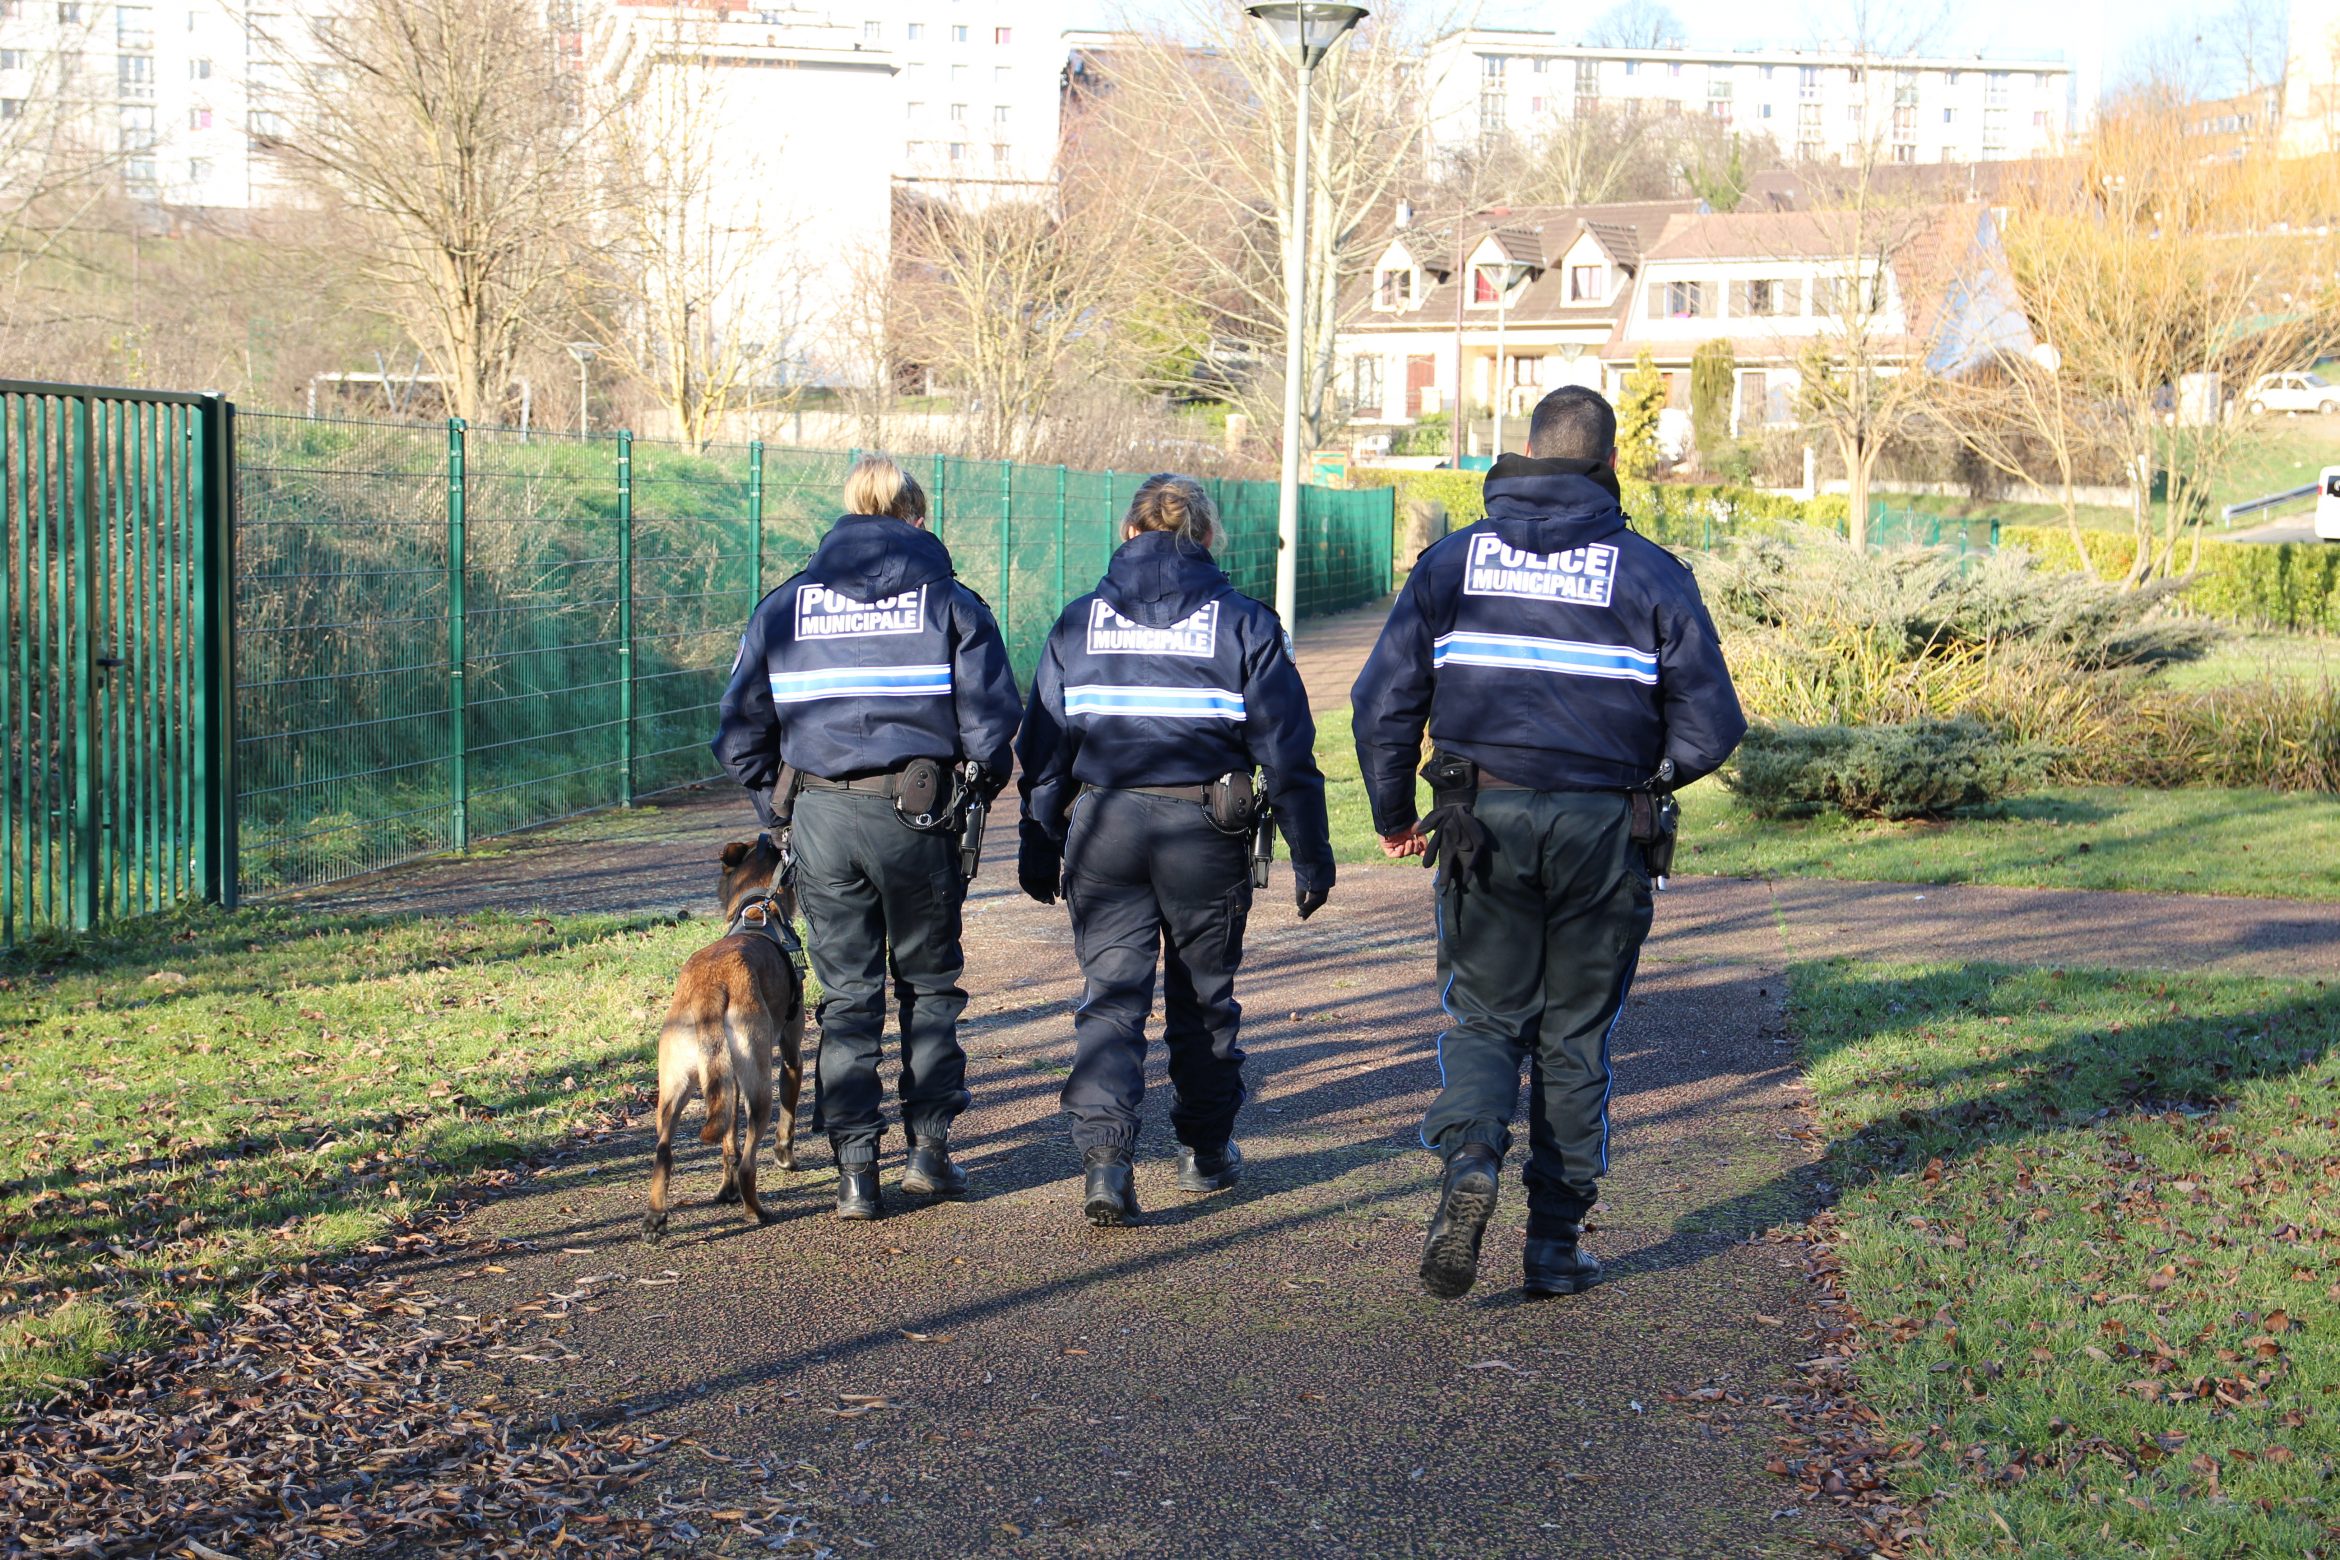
{"type": "Point", "coordinates": [735, 999]}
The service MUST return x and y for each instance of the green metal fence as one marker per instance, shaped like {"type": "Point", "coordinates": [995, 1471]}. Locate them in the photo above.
{"type": "Point", "coordinates": [447, 633]}
{"type": "Point", "coordinates": [114, 525]}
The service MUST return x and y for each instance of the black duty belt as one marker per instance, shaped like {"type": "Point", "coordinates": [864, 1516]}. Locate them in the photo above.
{"type": "Point", "coordinates": [870, 785]}
{"type": "Point", "coordinates": [1176, 793]}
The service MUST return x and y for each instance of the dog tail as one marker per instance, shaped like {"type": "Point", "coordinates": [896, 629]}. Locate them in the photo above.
{"type": "Point", "coordinates": [717, 1085]}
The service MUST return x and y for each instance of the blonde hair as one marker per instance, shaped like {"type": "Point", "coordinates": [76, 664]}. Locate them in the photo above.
{"type": "Point", "coordinates": [1170, 502]}
{"type": "Point", "coordinates": [876, 486]}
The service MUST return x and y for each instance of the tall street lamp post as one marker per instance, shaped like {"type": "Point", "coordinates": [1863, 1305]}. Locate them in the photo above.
{"type": "Point", "coordinates": [1508, 276]}
{"type": "Point", "coordinates": [1309, 30]}
{"type": "Point", "coordinates": [584, 352]}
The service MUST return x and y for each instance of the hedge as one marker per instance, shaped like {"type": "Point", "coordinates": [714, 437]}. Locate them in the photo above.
{"type": "Point", "coordinates": [1676, 514]}
{"type": "Point", "coordinates": [2287, 585]}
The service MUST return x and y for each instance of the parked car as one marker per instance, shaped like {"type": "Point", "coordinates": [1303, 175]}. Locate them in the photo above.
{"type": "Point", "coordinates": [2294, 392]}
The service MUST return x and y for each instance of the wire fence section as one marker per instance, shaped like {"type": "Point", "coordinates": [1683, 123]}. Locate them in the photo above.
{"type": "Point", "coordinates": [446, 633]}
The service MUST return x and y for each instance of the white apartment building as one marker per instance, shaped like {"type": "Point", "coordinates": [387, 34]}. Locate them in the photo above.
{"type": "Point", "coordinates": [976, 101]}
{"type": "Point", "coordinates": [157, 91]}
{"type": "Point", "coordinates": [1487, 83]}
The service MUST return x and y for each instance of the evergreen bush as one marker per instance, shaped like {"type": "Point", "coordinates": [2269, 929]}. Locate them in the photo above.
{"type": "Point", "coordinates": [1921, 769]}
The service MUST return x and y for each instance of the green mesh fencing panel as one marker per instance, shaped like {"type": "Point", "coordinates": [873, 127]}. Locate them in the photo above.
{"type": "Point", "coordinates": [448, 633]}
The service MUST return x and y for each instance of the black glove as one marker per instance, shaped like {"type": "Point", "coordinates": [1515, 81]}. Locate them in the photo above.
{"type": "Point", "coordinates": [1309, 900]}
{"type": "Point", "coordinates": [1039, 864]}
{"type": "Point", "coordinates": [1458, 843]}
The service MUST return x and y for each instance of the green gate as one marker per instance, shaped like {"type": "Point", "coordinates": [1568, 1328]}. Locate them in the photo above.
{"type": "Point", "coordinates": [116, 798]}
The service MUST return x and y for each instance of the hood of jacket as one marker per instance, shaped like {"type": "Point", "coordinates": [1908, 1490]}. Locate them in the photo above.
{"type": "Point", "coordinates": [1549, 506]}
{"type": "Point", "coordinates": [1159, 578]}
{"type": "Point", "coordinates": [876, 557]}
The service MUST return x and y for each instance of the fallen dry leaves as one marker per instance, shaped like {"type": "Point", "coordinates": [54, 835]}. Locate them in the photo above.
{"type": "Point", "coordinates": [344, 1410]}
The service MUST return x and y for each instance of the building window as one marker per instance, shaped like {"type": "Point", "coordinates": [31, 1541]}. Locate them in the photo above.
{"type": "Point", "coordinates": [1904, 152]}
{"type": "Point", "coordinates": [134, 75]}
{"type": "Point", "coordinates": [1673, 67]}
{"type": "Point", "coordinates": [1995, 88]}
{"type": "Point", "coordinates": [1808, 81]}
{"type": "Point", "coordinates": [1491, 66]}
{"type": "Point", "coordinates": [1002, 74]}
{"type": "Point", "coordinates": [11, 108]}
{"type": "Point", "coordinates": [958, 151]}
{"type": "Point", "coordinates": [133, 27]}
{"type": "Point", "coordinates": [1588, 78]}
{"type": "Point", "coordinates": [1587, 283]}
{"type": "Point", "coordinates": [1482, 286]}
{"type": "Point", "coordinates": [267, 125]}
{"type": "Point", "coordinates": [917, 110]}
{"type": "Point", "coordinates": [1394, 288]}
{"type": "Point", "coordinates": [1767, 70]}
{"type": "Point", "coordinates": [871, 32]}
{"type": "Point", "coordinates": [1905, 89]}
{"type": "Point", "coordinates": [1852, 113]}
{"type": "Point", "coordinates": [915, 32]}
{"type": "Point", "coordinates": [1633, 67]}
{"type": "Point", "coordinates": [1365, 382]}
{"type": "Point", "coordinates": [958, 34]}
{"type": "Point", "coordinates": [199, 70]}
{"type": "Point", "coordinates": [1494, 114]}
{"type": "Point", "coordinates": [1766, 297]}
{"type": "Point", "coordinates": [1954, 77]}
{"type": "Point", "coordinates": [999, 114]}
{"type": "Point", "coordinates": [11, 59]}
{"type": "Point", "coordinates": [69, 12]}
{"type": "Point", "coordinates": [1949, 116]}
{"type": "Point", "coordinates": [1764, 112]}
{"type": "Point", "coordinates": [958, 75]}
{"type": "Point", "coordinates": [1000, 155]}
{"type": "Point", "coordinates": [1677, 300]}
{"type": "Point", "coordinates": [199, 119]}
{"type": "Point", "coordinates": [2039, 119]}
{"type": "Point", "coordinates": [199, 170]}
{"type": "Point", "coordinates": [958, 113]}
{"type": "Point", "coordinates": [1003, 36]}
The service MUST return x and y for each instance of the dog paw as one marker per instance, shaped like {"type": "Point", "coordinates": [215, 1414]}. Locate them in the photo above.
{"type": "Point", "coordinates": [653, 1226]}
{"type": "Point", "coordinates": [766, 1216]}
{"type": "Point", "coordinates": [727, 1193]}
{"type": "Point", "coordinates": [787, 1161]}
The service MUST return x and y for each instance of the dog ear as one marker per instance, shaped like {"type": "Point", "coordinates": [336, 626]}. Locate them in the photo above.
{"type": "Point", "coordinates": [735, 853]}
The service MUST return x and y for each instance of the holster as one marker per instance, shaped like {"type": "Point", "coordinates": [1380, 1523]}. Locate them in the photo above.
{"type": "Point", "coordinates": [926, 795]}
{"type": "Point", "coordinates": [1458, 841]}
{"type": "Point", "coordinates": [1657, 824]}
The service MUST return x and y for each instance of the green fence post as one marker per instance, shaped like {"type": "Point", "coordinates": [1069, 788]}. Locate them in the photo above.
{"type": "Point", "coordinates": [1060, 481]}
{"type": "Point", "coordinates": [625, 478]}
{"type": "Point", "coordinates": [934, 499]}
{"type": "Point", "coordinates": [9, 634]}
{"type": "Point", "coordinates": [83, 885]}
{"type": "Point", "coordinates": [216, 646]}
{"type": "Point", "coordinates": [457, 719]}
{"type": "Point", "coordinates": [1007, 504]}
{"type": "Point", "coordinates": [755, 522]}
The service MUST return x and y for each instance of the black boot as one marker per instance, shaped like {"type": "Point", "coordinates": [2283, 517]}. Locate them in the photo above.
{"type": "Point", "coordinates": [857, 1192]}
{"type": "Point", "coordinates": [931, 1173]}
{"type": "Point", "coordinates": [1110, 1196]}
{"type": "Point", "coordinates": [1209, 1169]}
{"type": "Point", "coordinates": [1556, 1265]}
{"type": "Point", "coordinates": [1466, 1201]}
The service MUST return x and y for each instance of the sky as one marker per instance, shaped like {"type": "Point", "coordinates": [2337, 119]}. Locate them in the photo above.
{"type": "Point", "coordinates": [2115, 30]}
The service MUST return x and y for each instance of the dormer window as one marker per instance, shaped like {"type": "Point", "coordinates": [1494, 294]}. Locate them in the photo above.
{"type": "Point", "coordinates": [1393, 288]}
{"type": "Point", "coordinates": [1487, 285]}
{"type": "Point", "coordinates": [1588, 283]}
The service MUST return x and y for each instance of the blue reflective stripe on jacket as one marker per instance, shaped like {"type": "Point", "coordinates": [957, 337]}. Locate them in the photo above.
{"type": "Point", "coordinates": [1167, 675]}
{"type": "Point", "coordinates": [1549, 644]}
{"type": "Point", "coordinates": [872, 656]}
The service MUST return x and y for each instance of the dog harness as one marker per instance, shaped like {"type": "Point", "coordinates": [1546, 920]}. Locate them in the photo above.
{"type": "Point", "coordinates": [761, 917]}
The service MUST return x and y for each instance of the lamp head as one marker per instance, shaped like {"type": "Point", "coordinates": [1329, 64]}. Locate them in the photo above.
{"type": "Point", "coordinates": [1307, 27]}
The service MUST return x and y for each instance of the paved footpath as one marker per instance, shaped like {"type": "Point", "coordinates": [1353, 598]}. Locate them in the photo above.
{"type": "Point", "coordinates": [1254, 1373]}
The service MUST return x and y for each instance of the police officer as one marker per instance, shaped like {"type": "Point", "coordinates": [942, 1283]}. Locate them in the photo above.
{"type": "Point", "coordinates": [881, 685]}
{"type": "Point", "coordinates": [1156, 696]}
{"type": "Point", "coordinates": [1569, 675]}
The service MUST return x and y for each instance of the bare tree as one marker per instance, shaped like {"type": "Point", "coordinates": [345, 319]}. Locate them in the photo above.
{"type": "Point", "coordinates": [1198, 129]}
{"type": "Point", "coordinates": [2166, 284]}
{"type": "Point", "coordinates": [699, 293]}
{"type": "Point", "coordinates": [2029, 421]}
{"type": "Point", "coordinates": [456, 135]}
{"type": "Point", "coordinates": [1010, 306]}
{"type": "Point", "coordinates": [1636, 24]}
{"type": "Point", "coordinates": [56, 165]}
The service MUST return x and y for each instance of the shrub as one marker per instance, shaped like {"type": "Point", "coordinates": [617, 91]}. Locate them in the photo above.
{"type": "Point", "coordinates": [2287, 585]}
{"type": "Point", "coordinates": [1672, 513]}
{"type": "Point", "coordinates": [1638, 454]}
{"type": "Point", "coordinates": [2276, 733]}
{"type": "Point", "coordinates": [1924, 769]}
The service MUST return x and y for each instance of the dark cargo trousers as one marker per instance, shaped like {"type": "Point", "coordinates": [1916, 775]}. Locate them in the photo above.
{"type": "Point", "coordinates": [881, 901]}
{"type": "Point", "coordinates": [1535, 960]}
{"type": "Point", "coordinates": [1147, 879]}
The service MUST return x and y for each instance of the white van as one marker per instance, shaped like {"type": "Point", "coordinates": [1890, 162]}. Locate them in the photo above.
{"type": "Point", "coordinates": [2328, 505]}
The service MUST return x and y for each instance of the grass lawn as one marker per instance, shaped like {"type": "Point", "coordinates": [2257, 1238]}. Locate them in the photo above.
{"type": "Point", "coordinates": [193, 1098]}
{"type": "Point", "coordinates": [2280, 453]}
{"type": "Point", "coordinates": [2246, 657]}
{"type": "Point", "coordinates": [2086, 1220]}
{"type": "Point", "coordinates": [2248, 843]}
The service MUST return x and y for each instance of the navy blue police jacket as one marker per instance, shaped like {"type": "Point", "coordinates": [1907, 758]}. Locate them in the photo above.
{"type": "Point", "coordinates": [1165, 674]}
{"type": "Point", "coordinates": [870, 657]}
{"type": "Point", "coordinates": [1548, 644]}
